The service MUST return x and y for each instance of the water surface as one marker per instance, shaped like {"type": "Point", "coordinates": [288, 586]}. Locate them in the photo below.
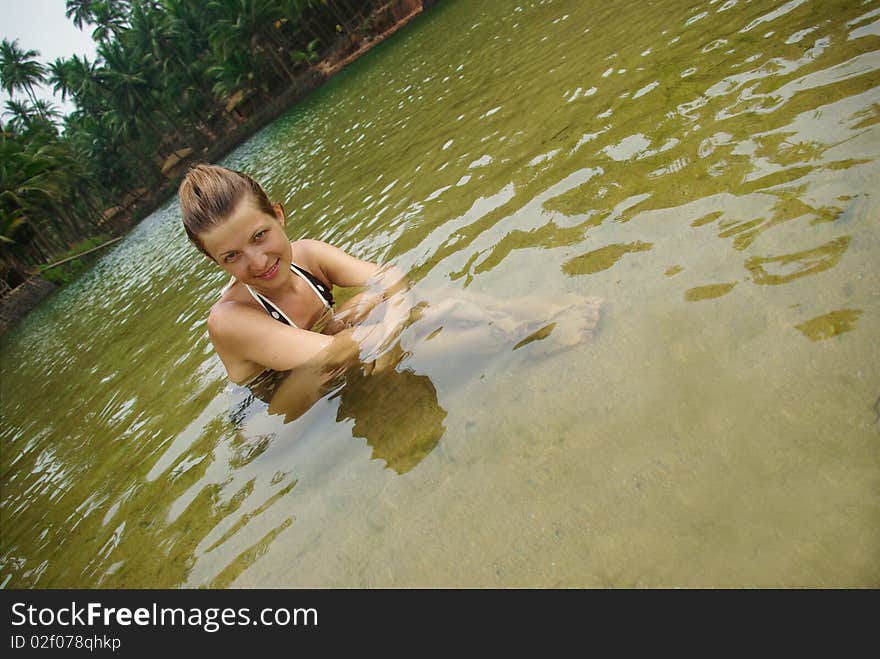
{"type": "Point", "coordinates": [710, 170]}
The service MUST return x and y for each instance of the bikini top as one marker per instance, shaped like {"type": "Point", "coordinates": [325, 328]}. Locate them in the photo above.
{"type": "Point", "coordinates": [320, 289]}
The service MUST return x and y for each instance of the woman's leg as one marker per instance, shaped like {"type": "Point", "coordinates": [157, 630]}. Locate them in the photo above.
{"type": "Point", "coordinates": [474, 318]}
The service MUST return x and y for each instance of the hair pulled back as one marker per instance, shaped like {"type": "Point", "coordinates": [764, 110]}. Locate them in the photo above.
{"type": "Point", "coordinates": [209, 194]}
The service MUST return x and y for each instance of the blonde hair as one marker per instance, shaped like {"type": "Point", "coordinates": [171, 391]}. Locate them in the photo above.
{"type": "Point", "coordinates": [209, 194]}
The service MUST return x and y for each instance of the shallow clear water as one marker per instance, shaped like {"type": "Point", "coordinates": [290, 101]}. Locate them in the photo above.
{"type": "Point", "coordinates": [711, 171]}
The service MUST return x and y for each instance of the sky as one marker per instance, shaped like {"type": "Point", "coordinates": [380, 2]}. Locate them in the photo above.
{"type": "Point", "coordinates": [41, 25]}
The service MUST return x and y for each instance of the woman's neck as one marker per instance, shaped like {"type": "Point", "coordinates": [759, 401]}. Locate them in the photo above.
{"type": "Point", "coordinates": [287, 287]}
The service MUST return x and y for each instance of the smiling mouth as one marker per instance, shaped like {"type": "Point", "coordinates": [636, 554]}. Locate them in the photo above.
{"type": "Point", "coordinates": [270, 272]}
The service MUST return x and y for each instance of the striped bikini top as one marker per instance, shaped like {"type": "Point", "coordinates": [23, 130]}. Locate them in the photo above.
{"type": "Point", "coordinates": [320, 289]}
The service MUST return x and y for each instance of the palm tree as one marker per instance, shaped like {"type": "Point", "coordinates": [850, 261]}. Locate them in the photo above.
{"type": "Point", "coordinates": [234, 73]}
{"type": "Point", "coordinates": [59, 76]}
{"type": "Point", "coordinates": [251, 25]}
{"type": "Point", "coordinates": [183, 39]}
{"type": "Point", "coordinates": [188, 27]}
{"type": "Point", "coordinates": [20, 116]}
{"type": "Point", "coordinates": [129, 87]}
{"type": "Point", "coordinates": [19, 69]}
{"type": "Point", "coordinates": [83, 79]}
{"type": "Point", "coordinates": [300, 29]}
{"type": "Point", "coordinates": [48, 116]}
{"type": "Point", "coordinates": [81, 11]}
{"type": "Point", "coordinates": [25, 117]}
{"type": "Point", "coordinates": [109, 16]}
{"type": "Point", "coordinates": [109, 159]}
{"type": "Point", "coordinates": [179, 84]}
{"type": "Point", "coordinates": [30, 192]}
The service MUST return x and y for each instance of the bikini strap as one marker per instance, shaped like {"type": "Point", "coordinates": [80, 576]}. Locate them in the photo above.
{"type": "Point", "coordinates": [317, 285]}
{"type": "Point", "coordinates": [270, 308]}
{"type": "Point", "coordinates": [320, 289]}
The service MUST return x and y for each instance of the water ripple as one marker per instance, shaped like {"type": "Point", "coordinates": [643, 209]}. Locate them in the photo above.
{"type": "Point", "coordinates": [707, 170]}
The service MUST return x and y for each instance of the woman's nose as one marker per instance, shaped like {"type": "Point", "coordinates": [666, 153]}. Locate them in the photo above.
{"type": "Point", "coordinates": [258, 261]}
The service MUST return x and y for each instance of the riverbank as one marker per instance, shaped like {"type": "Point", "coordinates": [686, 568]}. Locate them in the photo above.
{"type": "Point", "coordinates": [389, 19]}
{"type": "Point", "coordinates": [16, 302]}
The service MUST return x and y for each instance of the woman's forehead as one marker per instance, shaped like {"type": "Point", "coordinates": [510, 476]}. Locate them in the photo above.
{"type": "Point", "coordinates": [235, 229]}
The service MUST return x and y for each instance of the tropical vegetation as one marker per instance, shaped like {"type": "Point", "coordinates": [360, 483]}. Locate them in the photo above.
{"type": "Point", "coordinates": [171, 79]}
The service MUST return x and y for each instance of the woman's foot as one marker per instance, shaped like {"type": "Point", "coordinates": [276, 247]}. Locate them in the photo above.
{"type": "Point", "coordinates": [573, 323]}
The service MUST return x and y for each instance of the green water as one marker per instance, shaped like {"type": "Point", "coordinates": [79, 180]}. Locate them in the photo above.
{"type": "Point", "coordinates": [710, 171]}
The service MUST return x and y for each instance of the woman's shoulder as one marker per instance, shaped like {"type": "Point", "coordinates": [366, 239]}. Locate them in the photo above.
{"type": "Point", "coordinates": [308, 249]}
{"type": "Point", "coordinates": [230, 326]}
{"type": "Point", "coordinates": [331, 263]}
{"type": "Point", "coordinates": [312, 255]}
{"type": "Point", "coordinates": [233, 291]}
{"type": "Point", "coordinates": [230, 311]}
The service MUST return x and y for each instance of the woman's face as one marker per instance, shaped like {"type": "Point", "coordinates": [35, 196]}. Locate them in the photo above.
{"type": "Point", "coordinates": [251, 245]}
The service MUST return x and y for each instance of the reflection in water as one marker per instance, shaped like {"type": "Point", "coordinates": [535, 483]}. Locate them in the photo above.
{"type": "Point", "coordinates": [246, 558]}
{"type": "Point", "coordinates": [602, 258]}
{"type": "Point", "coordinates": [800, 264]}
{"type": "Point", "coordinates": [708, 292]}
{"type": "Point", "coordinates": [397, 412]}
{"type": "Point", "coordinates": [830, 324]}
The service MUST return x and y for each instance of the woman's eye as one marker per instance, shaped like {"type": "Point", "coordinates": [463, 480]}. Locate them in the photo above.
{"type": "Point", "coordinates": [259, 235]}
{"type": "Point", "coordinates": [229, 258]}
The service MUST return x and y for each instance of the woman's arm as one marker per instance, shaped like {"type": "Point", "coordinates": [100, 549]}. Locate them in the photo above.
{"type": "Point", "coordinates": [338, 267]}
{"type": "Point", "coordinates": [248, 337]}
{"type": "Point", "coordinates": [252, 336]}
{"type": "Point", "coordinates": [381, 308]}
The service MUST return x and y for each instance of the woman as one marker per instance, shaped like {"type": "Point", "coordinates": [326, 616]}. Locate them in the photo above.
{"type": "Point", "coordinates": [276, 314]}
